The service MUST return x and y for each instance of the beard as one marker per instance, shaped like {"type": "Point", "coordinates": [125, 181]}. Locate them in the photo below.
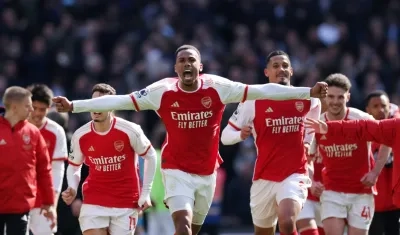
{"type": "Point", "coordinates": [284, 83]}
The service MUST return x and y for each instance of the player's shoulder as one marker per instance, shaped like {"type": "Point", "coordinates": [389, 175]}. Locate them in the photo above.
{"type": "Point", "coordinates": [54, 127]}
{"type": "Point", "coordinates": [158, 88]}
{"type": "Point", "coordinates": [211, 80]}
{"type": "Point", "coordinates": [83, 130]}
{"type": "Point", "coordinates": [355, 114]}
{"type": "Point", "coordinates": [127, 126]}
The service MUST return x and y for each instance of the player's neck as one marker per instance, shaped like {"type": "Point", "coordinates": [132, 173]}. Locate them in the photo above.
{"type": "Point", "coordinates": [103, 126]}
{"type": "Point", "coordinates": [41, 123]}
{"type": "Point", "coordinates": [12, 119]}
{"type": "Point", "coordinates": [193, 87]}
{"type": "Point", "coordinates": [337, 117]}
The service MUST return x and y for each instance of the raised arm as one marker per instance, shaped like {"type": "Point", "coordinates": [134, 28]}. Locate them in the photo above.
{"type": "Point", "coordinates": [103, 103]}
{"type": "Point", "coordinates": [235, 92]}
{"type": "Point", "coordinates": [314, 113]}
{"type": "Point", "coordinates": [383, 132]}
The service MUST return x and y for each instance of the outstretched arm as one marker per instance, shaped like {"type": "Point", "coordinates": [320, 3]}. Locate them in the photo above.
{"type": "Point", "coordinates": [277, 92]}
{"type": "Point", "coordinates": [383, 132]}
{"type": "Point", "coordinates": [103, 103]}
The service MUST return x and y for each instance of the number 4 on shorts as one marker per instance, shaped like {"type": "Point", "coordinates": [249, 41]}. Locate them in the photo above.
{"type": "Point", "coordinates": [366, 213]}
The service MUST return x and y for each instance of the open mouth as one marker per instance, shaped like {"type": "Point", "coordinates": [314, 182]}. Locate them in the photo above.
{"type": "Point", "coordinates": [187, 73]}
{"type": "Point", "coordinates": [97, 114]}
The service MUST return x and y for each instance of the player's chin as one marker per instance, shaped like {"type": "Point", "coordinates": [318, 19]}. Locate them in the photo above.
{"type": "Point", "coordinates": [188, 81]}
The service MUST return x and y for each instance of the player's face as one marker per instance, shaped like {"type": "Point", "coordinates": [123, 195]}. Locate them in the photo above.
{"type": "Point", "coordinates": [279, 70]}
{"type": "Point", "coordinates": [379, 107]}
{"type": "Point", "coordinates": [188, 66]}
{"type": "Point", "coordinates": [336, 100]}
{"type": "Point", "coordinates": [99, 116]}
{"type": "Point", "coordinates": [40, 111]}
{"type": "Point", "coordinates": [23, 108]}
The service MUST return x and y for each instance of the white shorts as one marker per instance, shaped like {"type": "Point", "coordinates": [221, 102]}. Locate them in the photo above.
{"type": "Point", "coordinates": [119, 221]}
{"type": "Point", "coordinates": [311, 210]}
{"type": "Point", "coordinates": [358, 209]}
{"type": "Point", "coordinates": [38, 224]}
{"type": "Point", "coordinates": [184, 191]}
{"type": "Point", "coordinates": [265, 195]}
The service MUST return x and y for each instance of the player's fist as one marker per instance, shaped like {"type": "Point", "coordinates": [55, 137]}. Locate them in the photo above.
{"type": "Point", "coordinates": [68, 195]}
{"type": "Point", "coordinates": [245, 132]}
{"type": "Point", "coordinates": [50, 213]}
{"type": "Point", "coordinates": [317, 188]}
{"type": "Point", "coordinates": [319, 90]}
{"type": "Point", "coordinates": [62, 104]}
{"type": "Point", "coordinates": [144, 201]}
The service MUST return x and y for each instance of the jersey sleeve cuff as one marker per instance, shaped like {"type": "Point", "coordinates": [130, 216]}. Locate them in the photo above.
{"type": "Point", "coordinates": [234, 126]}
{"type": "Point", "coordinates": [134, 102]}
{"type": "Point", "coordinates": [145, 152]}
{"type": "Point", "coordinates": [74, 164]}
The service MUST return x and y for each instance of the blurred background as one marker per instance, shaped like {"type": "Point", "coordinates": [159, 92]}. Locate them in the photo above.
{"type": "Point", "coordinates": [71, 45]}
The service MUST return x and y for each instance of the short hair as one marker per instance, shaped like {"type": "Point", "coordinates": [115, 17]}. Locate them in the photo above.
{"type": "Point", "coordinates": [338, 80]}
{"type": "Point", "coordinates": [377, 93]}
{"type": "Point", "coordinates": [275, 53]}
{"type": "Point", "coordinates": [41, 93]}
{"type": "Point", "coordinates": [187, 47]}
{"type": "Point", "coordinates": [104, 88]}
{"type": "Point", "coordinates": [14, 94]}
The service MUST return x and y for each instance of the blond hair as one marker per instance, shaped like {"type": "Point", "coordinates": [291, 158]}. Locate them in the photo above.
{"type": "Point", "coordinates": [15, 94]}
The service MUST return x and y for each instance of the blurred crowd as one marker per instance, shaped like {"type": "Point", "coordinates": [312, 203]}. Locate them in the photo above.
{"type": "Point", "coordinates": [70, 45]}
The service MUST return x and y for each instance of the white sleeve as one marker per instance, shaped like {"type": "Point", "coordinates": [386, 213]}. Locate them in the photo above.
{"type": "Point", "coordinates": [235, 92]}
{"type": "Point", "coordinates": [75, 155]}
{"type": "Point", "coordinates": [60, 150]}
{"type": "Point", "coordinates": [103, 103]}
{"type": "Point", "coordinates": [313, 147]}
{"type": "Point", "coordinates": [73, 176]}
{"type": "Point", "coordinates": [57, 170]}
{"type": "Point", "coordinates": [139, 141]}
{"type": "Point", "coordinates": [243, 115]}
{"type": "Point", "coordinates": [314, 113]}
{"type": "Point", "coordinates": [230, 135]}
{"type": "Point", "coordinates": [150, 166]}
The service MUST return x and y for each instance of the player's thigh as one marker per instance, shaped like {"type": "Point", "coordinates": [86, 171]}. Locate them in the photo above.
{"type": "Point", "coordinates": [38, 224]}
{"type": "Point", "coordinates": [333, 204]}
{"type": "Point", "coordinates": [203, 197]}
{"type": "Point", "coordinates": [361, 211]}
{"type": "Point", "coordinates": [124, 221]}
{"type": "Point", "coordinates": [306, 217]}
{"type": "Point", "coordinates": [294, 187]}
{"type": "Point", "coordinates": [263, 203]}
{"type": "Point", "coordinates": [92, 217]}
{"type": "Point", "coordinates": [178, 183]}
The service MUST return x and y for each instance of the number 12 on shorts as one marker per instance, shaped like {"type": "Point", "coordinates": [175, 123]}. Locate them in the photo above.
{"type": "Point", "coordinates": [366, 213]}
{"type": "Point", "coordinates": [132, 223]}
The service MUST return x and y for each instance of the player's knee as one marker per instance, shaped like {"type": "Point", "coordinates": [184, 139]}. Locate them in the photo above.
{"type": "Point", "coordinates": [287, 225]}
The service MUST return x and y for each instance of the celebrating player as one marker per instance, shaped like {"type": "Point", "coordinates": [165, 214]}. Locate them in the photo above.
{"type": "Point", "coordinates": [386, 217]}
{"type": "Point", "coordinates": [273, 125]}
{"type": "Point", "coordinates": [348, 176]}
{"type": "Point", "coordinates": [56, 141]}
{"type": "Point", "coordinates": [109, 146]}
{"type": "Point", "coordinates": [191, 107]}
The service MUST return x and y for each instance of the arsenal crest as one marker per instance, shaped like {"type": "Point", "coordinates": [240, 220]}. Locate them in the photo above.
{"type": "Point", "coordinates": [26, 138]}
{"type": "Point", "coordinates": [119, 145]}
{"type": "Point", "coordinates": [299, 106]}
{"type": "Point", "coordinates": [206, 101]}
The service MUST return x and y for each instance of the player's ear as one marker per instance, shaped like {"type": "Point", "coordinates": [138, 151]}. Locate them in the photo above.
{"type": "Point", "coordinates": [348, 96]}
{"type": "Point", "coordinates": [291, 71]}
{"type": "Point", "coordinates": [266, 72]}
{"type": "Point", "coordinates": [201, 67]}
{"type": "Point", "coordinates": [175, 68]}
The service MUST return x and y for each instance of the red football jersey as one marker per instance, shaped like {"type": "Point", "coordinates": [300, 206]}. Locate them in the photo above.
{"type": "Point", "coordinates": [278, 131]}
{"type": "Point", "coordinates": [346, 161]}
{"type": "Point", "coordinates": [193, 119]}
{"type": "Point", "coordinates": [113, 179]}
{"type": "Point", "coordinates": [56, 142]}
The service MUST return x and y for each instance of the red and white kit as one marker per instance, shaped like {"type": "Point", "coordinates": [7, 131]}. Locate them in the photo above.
{"type": "Point", "coordinates": [346, 162]}
{"type": "Point", "coordinates": [280, 171]}
{"type": "Point", "coordinates": [192, 119]}
{"type": "Point", "coordinates": [56, 142]}
{"type": "Point", "coordinates": [112, 189]}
